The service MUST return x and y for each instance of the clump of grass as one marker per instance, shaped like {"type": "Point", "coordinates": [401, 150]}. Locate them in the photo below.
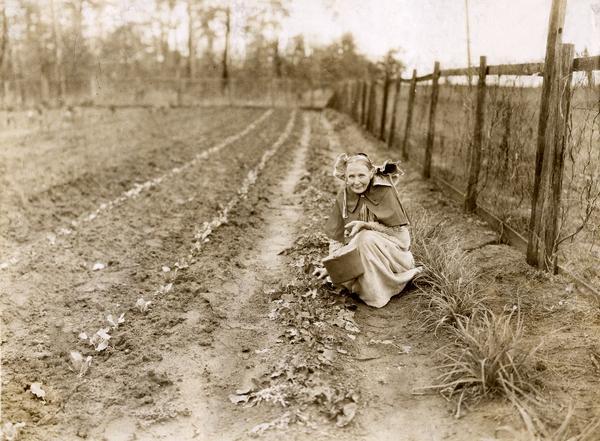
{"type": "Point", "coordinates": [489, 359]}
{"type": "Point", "coordinates": [448, 284]}
{"type": "Point", "coordinates": [451, 302]}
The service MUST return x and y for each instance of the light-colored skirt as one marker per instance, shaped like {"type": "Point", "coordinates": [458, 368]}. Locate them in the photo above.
{"type": "Point", "coordinates": [388, 266]}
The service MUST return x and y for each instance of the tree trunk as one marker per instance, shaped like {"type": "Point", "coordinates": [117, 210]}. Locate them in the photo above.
{"type": "Point", "coordinates": [59, 76]}
{"type": "Point", "coordinates": [4, 55]}
{"type": "Point", "coordinates": [277, 59]}
{"type": "Point", "coordinates": [191, 49]}
{"type": "Point", "coordinates": [225, 71]}
{"type": "Point", "coordinates": [4, 44]}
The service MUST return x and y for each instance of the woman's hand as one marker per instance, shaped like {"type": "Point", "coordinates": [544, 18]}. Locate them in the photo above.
{"type": "Point", "coordinates": [354, 227]}
{"type": "Point", "coordinates": [321, 273]}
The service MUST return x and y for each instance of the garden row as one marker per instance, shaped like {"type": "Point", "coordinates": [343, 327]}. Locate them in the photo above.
{"type": "Point", "coordinates": [113, 274]}
{"type": "Point", "coordinates": [65, 186]}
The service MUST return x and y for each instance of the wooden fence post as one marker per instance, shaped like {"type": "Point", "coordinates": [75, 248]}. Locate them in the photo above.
{"type": "Point", "coordinates": [392, 136]}
{"type": "Point", "coordinates": [372, 106]}
{"type": "Point", "coordinates": [386, 87]}
{"type": "Point", "coordinates": [348, 97]}
{"type": "Point", "coordinates": [356, 100]}
{"type": "Point", "coordinates": [332, 101]}
{"type": "Point", "coordinates": [44, 89]}
{"type": "Point", "coordinates": [538, 251]}
{"type": "Point", "coordinates": [374, 112]}
{"type": "Point", "coordinates": [543, 236]}
{"type": "Point", "coordinates": [431, 129]}
{"type": "Point", "coordinates": [476, 145]}
{"type": "Point", "coordinates": [364, 104]}
{"type": "Point", "coordinates": [180, 86]}
{"type": "Point", "coordinates": [358, 106]}
{"type": "Point", "coordinates": [409, 113]}
{"type": "Point", "coordinates": [363, 111]}
{"type": "Point", "coordinates": [352, 94]}
{"type": "Point", "coordinates": [371, 114]}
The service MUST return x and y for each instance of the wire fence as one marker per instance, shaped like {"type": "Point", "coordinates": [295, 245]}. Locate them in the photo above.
{"type": "Point", "coordinates": [510, 111]}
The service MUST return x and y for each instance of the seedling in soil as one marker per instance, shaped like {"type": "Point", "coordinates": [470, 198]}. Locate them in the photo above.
{"type": "Point", "coordinates": [36, 389]}
{"type": "Point", "coordinates": [182, 265]}
{"type": "Point", "coordinates": [79, 364]}
{"type": "Point", "coordinates": [10, 431]}
{"type": "Point", "coordinates": [142, 304]}
{"type": "Point", "coordinates": [99, 340]}
{"type": "Point", "coordinates": [115, 324]}
{"type": "Point", "coordinates": [165, 289]}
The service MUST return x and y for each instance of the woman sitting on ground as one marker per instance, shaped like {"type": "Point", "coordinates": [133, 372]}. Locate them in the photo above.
{"type": "Point", "coordinates": [368, 216]}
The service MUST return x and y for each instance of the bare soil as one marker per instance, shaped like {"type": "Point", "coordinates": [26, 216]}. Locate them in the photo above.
{"type": "Point", "coordinates": [246, 343]}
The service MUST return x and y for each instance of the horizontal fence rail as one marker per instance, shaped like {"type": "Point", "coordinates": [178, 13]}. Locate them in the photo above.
{"type": "Point", "coordinates": [583, 64]}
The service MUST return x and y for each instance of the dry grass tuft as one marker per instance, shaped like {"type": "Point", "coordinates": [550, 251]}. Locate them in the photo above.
{"type": "Point", "coordinates": [488, 359]}
{"type": "Point", "coordinates": [448, 283]}
{"type": "Point", "coordinates": [450, 303]}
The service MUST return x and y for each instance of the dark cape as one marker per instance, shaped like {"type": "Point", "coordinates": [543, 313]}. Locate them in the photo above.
{"type": "Point", "coordinates": [380, 198]}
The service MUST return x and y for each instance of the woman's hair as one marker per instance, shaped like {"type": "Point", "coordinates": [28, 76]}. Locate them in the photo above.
{"type": "Point", "coordinates": [342, 161]}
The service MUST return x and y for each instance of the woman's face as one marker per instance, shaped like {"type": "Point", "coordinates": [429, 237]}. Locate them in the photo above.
{"type": "Point", "coordinates": [358, 177]}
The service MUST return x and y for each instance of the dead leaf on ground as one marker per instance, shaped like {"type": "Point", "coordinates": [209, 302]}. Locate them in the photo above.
{"type": "Point", "coordinates": [36, 389]}
{"type": "Point", "coordinates": [348, 413]}
{"type": "Point", "coordinates": [236, 399]}
{"type": "Point", "coordinates": [98, 266]}
{"type": "Point", "coordinates": [142, 305]}
{"type": "Point", "coordinates": [10, 431]}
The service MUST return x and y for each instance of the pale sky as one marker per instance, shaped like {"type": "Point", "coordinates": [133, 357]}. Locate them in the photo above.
{"type": "Point", "coordinates": [506, 31]}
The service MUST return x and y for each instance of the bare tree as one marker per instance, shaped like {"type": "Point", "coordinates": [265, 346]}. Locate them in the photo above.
{"type": "Point", "coordinates": [191, 45]}
{"type": "Point", "coordinates": [225, 71]}
{"type": "Point", "coordinates": [59, 75]}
